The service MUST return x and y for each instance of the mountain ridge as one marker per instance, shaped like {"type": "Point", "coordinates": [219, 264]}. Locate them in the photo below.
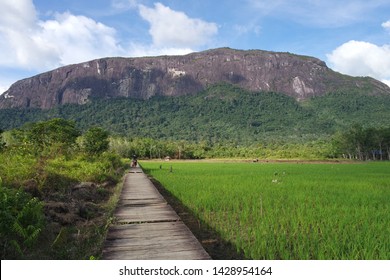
{"type": "Point", "coordinates": [298, 76]}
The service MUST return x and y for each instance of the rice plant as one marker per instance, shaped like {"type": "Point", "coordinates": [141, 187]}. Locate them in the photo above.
{"type": "Point", "coordinates": [288, 210]}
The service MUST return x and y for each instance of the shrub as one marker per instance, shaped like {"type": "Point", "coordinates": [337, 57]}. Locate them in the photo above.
{"type": "Point", "coordinates": [96, 141]}
{"type": "Point", "coordinates": [22, 221]}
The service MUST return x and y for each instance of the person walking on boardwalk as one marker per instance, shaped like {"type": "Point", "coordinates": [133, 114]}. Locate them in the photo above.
{"type": "Point", "coordinates": [134, 161]}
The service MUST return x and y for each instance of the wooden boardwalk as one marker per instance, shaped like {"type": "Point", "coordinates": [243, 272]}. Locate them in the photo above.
{"type": "Point", "coordinates": [147, 228]}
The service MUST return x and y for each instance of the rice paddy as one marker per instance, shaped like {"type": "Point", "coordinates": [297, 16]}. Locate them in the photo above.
{"type": "Point", "coordinates": [288, 210]}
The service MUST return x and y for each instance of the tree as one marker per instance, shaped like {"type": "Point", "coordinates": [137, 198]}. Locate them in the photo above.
{"type": "Point", "coordinates": [53, 136]}
{"type": "Point", "coordinates": [96, 141]}
{"type": "Point", "coordinates": [363, 143]}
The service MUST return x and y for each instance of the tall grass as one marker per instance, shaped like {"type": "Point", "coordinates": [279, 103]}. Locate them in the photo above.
{"type": "Point", "coordinates": [288, 211]}
{"type": "Point", "coordinates": [16, 168]}
{"type": "Point", "coordinates": [79, 169]}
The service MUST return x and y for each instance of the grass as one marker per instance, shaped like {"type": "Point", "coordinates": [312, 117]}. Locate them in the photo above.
{"type": "Point", "coordinates": [79, 169]}
{"type": "Point", "coordinates": [288, 210]}
{"type": "Point", "coordinates": [15, 168]}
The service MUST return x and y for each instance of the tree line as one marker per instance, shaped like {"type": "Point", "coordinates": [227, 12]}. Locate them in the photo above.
{"type": "Point", "coordinates": [148, 148]}
{"type": "Point", "coordinates": [363, 143]}
{"type": "Point", "coordinates": [59, 136]}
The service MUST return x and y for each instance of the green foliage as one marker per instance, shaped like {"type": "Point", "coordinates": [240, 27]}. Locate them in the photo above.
{"type": "Point", "coordinates": [343, 109]}
{"type": "Point", "coordinates": [58, 133]}
{"type": "Point", "coordinates": [52, 137]}
{"type": "Point", "coordinates": [95, 141]}
{"type": "Point", "coordinates": [22, 221]}
{"type": "Point", "coordinates": [16, 167]}
{"type": "Point", "coordinates": [100, 169]}
{"type": "Point", "coordinates": [221, 113]}
{"type": "Point", "coordinates": [363, 143]}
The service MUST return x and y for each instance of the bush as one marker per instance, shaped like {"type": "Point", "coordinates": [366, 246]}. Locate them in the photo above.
{"type": "Point", "coordinates": [22, 221]}
{"type": "Point", "coordinates": [53, 137]}
{"type": "Point", "coordinates": [96, 141]}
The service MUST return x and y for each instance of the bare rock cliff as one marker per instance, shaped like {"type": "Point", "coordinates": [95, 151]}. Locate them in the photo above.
{"type": "Point", "coordinates": [298, 76]}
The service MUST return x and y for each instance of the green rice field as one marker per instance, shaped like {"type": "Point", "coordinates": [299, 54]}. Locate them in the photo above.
{"type": "Point", "coordinates": [288, 210]}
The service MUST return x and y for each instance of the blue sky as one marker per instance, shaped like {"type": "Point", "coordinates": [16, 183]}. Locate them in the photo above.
{"type": "Point", "coordinates": [351, 36]}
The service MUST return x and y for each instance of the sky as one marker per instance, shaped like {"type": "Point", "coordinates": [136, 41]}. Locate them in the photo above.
{"type": "Point", "coordinates": [351, 36]}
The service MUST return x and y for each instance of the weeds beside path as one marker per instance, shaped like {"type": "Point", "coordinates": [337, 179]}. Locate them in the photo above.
{"type": "Point", "coordinates": [74, 200]}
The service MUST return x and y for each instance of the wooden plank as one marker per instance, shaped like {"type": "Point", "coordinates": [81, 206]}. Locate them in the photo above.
{"type": "Point", "coordinates": [146, 214]}
{"type": "Point", "coordinates": [157, 243]}
{"type": "Point", "coordinates": [158, 255]}
{"type": "Point", "coordinates": [151, 229]}
{"type": "Point", "coordinates": [144, 250]}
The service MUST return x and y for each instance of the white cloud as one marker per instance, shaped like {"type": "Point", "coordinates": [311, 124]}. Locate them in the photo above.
{"type": "Point", "coordinates": [139, 50]}
{"type": "Point", "coordinates": [386, 25]}
{"type": "Point", "coordinates": [124, 4]}
{"type": "Point", "coordinates": [359, 58]}
{"type": "Point", "coordinates": [173, 29]}
{"type": "Point", "coordinates": [246, 29]}
{"type": "Point", "coordinates": [18, 14]}
{"type": "Point", "coordinates": [17, 22]}
{"type": "Point", "coordinates": [32, 44]}
{"type": "Point", "coordinates": [77, 38]}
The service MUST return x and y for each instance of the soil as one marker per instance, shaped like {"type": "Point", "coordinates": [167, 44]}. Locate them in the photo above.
{"type": "Point", "coordinates": [82, 203]}
{"type": "Point", "coordinates": [76, 218]}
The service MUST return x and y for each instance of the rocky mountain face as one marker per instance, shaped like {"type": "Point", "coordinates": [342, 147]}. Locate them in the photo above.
{"type": "Point", "coordinates": [299, 76]}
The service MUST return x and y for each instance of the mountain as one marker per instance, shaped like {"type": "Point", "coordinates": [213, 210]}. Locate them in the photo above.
{"type": "Point", "coordinates": [300, 77]}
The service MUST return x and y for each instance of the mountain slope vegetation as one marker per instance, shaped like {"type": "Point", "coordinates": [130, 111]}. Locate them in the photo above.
{"type": "Point", "coordinates": [221, 113]}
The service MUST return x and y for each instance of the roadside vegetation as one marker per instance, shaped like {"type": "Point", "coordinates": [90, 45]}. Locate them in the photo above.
{"type": "Point", "coordinates": [56, 191]}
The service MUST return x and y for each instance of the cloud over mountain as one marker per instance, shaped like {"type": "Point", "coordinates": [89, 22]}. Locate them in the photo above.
{"type": "Point", "coordinates": [171, 28]}
{"type": "Point", "coordinates": [360, 58]}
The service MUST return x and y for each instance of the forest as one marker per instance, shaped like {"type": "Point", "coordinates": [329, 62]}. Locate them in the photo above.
{"type": "Point", "coordinates": [227, 121]}
{"type": "Point", "coordinates": [221, 113]}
